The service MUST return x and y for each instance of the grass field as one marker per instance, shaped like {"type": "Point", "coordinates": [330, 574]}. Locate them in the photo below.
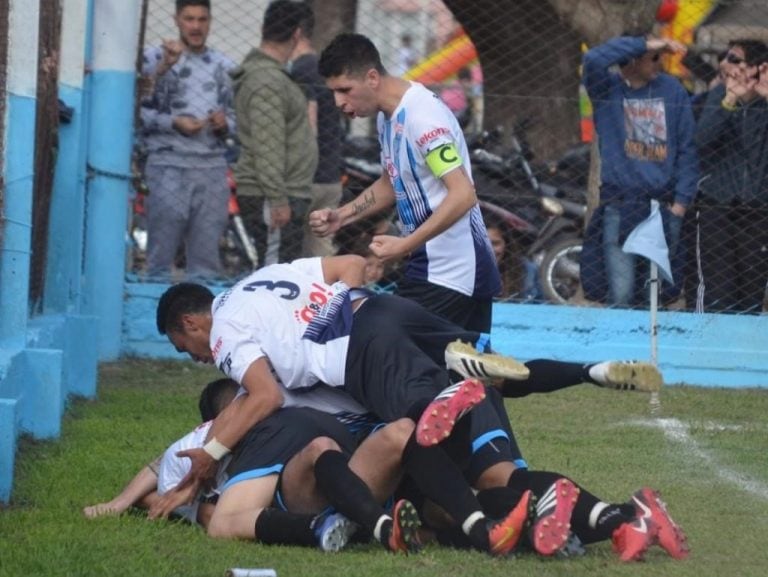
{"type": "Point", "coordinates": [707, 452]}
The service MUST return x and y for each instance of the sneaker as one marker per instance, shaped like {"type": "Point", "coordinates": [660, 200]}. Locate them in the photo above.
{"type": "Point", "coordinates": [552, 522]}
{"type": "Point", "coordinates": [631, 540]}
{"type": "Point", "coordinates": [333, 531]}
{"type": "Point", "coordinates": [405, 528]}
{"type": "Point", "coordinates": [670, 536]}
{"type": "Point", "coordinates": [504, 535]}
{"type": "Point", "coordinates": [470, 363]}
{"type": "Point", "coordinates": [631, 376]}
{"type": "Point", "coordinates": [438, 419]}
{"type": "Point", "coordinates": [573, 548]}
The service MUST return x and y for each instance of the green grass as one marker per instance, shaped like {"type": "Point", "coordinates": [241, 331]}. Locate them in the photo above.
{"type": "Point", "coordinates": [715, 481]}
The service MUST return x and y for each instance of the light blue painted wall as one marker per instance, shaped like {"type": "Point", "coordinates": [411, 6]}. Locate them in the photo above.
{"type": "Point", "coordinates": [704, 350]}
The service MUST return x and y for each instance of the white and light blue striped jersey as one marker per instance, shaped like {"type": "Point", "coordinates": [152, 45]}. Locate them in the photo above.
{"type": "Point", "coordinates": [286, 313]}
{"type": "Point", "coordinates": [460, 258]}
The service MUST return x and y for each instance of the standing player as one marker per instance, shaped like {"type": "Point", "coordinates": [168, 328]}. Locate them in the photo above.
{"type": "Point", "coordinates": [451, 269]}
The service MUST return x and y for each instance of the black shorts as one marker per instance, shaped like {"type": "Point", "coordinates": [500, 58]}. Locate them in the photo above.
{"type": "Point", "coordinates": [492, 438]}
{"type": "Point", "coordinates": [396, 355]}
{"type": "Point", "coordinates": [462, 310]}
{"type": "Point", "coordinates": [268, 446]}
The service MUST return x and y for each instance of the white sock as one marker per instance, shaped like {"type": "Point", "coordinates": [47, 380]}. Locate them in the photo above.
{"type": "Point", "coordinates": [598, 372]}
{"type": "Point", "coordinates": [594, 514]}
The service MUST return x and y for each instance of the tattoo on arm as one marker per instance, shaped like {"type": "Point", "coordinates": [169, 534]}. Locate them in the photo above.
{"type": "Point", "coordinates": [368, 200]}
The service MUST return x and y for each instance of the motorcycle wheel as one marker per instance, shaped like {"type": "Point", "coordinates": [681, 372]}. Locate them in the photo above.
{"type": "Point", "coordinates": [559, 270]}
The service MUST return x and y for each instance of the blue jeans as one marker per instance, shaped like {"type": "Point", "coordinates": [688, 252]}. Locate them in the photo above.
{"type": "Point", "coordinates": [620, 266]}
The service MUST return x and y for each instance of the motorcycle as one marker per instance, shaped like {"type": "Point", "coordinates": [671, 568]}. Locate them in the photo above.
{"type": "Point", "coordinates": [543, 206]}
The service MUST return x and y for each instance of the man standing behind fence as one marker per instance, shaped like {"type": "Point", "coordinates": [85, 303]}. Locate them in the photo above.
{"type": "Point", "coordinates": [278, 153]}
{"type": "Point", "coordinates": [645, 127]}
{"type": "Point", "coordinates": [326, 123]}
{"type": "Point", "coordinates": [185, 119]}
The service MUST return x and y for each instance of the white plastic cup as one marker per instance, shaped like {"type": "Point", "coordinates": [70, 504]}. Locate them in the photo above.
{"type": "Point", "coordinates": [250, 572]}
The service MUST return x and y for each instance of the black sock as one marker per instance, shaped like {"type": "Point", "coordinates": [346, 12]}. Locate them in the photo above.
{"type": "Point", "coordinates": [453, 537]}
{"type": "Point", "coordinates": [498, 501]}
{"type": "Point", "coordinates": [546, 376]}
{"type": "Point", "coordinates": [345, 491]}
{"type": "Point", "coordinates": [441, 480]}
{"type": "Point", "coordinates": [608, 521]}
{"type": "Point", "coordinates": [278, 527]}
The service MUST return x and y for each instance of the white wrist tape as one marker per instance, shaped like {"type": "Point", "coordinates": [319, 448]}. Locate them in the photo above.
{"type": "Point", "coordinates": [215, 449]}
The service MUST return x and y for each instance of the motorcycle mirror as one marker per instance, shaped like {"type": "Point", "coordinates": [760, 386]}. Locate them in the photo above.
{"type": "Point", "coordinates": [552, 206]}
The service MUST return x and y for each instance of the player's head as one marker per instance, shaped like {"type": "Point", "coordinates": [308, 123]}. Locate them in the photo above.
{"type": "Point", "coordinates": [352, 68]}
{"type": "Point", "coordinates": [282, 20]}
{"type": "Point", "coordinates": [193, 19]}
{"type": "Point", "coordinates": [184, 315]}
{"type": "Point", "coordinates": [215, 397]}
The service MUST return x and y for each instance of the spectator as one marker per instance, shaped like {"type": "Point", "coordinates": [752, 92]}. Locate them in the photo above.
{"type": "Point", "coordinates": [510, 264]}
{"type": "Point", "coordinates": [278, 154]}
{"type": "Point", "coordinates": [459, 98]}
{"type": "Point", "coordinates": [406, 55]}
{"type": "Point", "coordinates": [645, 126]}
{"type": "Point", "coordinates": [732, 208]}
{"type": "Point", "coordinates": [326, 124]}
{"type": "Point", "coordinates": [186, 115]}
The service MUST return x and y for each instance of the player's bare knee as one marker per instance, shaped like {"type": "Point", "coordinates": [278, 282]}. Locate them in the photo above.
{"type": "Point", "coordinates": [320, 445]}
{"type": "Point", "coordinates": [397, 433]}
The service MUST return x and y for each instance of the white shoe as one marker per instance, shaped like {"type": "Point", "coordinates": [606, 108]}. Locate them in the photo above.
{"type": "Point", "coordinates": [334, 531]}
{"type": "Point", "coordinates": [470, 363]}
{"type": "Point", "coordinates": [630, 376]}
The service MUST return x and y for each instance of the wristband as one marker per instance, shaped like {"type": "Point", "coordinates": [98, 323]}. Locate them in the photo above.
{"type": "Point", "coordinates": [215, 449]}
{"type": "Point", "coordinates": [728, 107]}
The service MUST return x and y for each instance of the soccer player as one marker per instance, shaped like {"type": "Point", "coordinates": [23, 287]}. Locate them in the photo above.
{"type": "Point", "coordinates": [451, 269]}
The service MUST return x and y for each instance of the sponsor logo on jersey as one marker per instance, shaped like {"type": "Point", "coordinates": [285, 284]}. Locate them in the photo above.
{"type": "Point", "coordinates": [225, 366]}
{"type": "Point", "coordinates": [216, 349]}
{"type": "Point", "coordinates": [318, 298]}
{"type": "Point", "coordinates": [391, 168]}
{"type": "Point", "coordinates": [432, 135]}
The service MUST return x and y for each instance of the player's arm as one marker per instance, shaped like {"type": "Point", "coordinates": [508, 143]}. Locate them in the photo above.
{"type": "Point", "coordinates": [375, 199]}
{"type": "Point", "coordinates": [264, 397]}
{"type": "Point", "coordinates": [348, 268]}
{"type": "Point", "coordinates": [139, 491]}
{"type": "Point", "coordinates": [458, 201]}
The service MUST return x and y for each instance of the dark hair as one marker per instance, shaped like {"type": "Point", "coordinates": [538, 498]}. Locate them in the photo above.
{"type": "Point", "coordinates": [215, 397]}
{"type": "Point", "coordinates": [351, 54]}
{"type": "Point", "coordinates": [181, 4]}
{"type": "Point", "coordinates": [181, 299]}
{"type": "Point", "coordinates": [307, 24]}
{"type": "Point", "coordinates": [755, 51]}
{"type": "Point", "coordinates": [281, 19]}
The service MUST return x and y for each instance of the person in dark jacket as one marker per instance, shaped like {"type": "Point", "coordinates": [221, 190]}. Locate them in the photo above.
{"type": "Point", "coordinates": [646, 133]}
{"type": "Point", "coordinates": [732, 236]}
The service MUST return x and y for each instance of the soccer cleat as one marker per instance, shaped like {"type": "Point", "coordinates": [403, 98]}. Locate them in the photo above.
{"type": "Point", "coordinates": [470, 363]}
{"type": "Point", "coordinates": [631, 376]}
{"type": "Point", "coordinates": [504, 535]}
{"type": "Point", "coordinates": [670, 536]}
{"type": "Point", "coordinates": [405, 528]}
{"type": "Point", "coordinates": [631, 540]}
{"type": "Point", "coordinates": [438, 419]}
{"type": "Point", "coordinates": [333, 531]}
{"type": "Point", "coordinates": [552, 522]}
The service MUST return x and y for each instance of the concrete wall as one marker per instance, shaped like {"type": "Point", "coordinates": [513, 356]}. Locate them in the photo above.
{"type": "Point", "coordinates": [706, 350]}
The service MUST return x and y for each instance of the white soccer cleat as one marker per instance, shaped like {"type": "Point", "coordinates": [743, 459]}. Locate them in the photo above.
{"type": "Point", "coordinates": [333, 531]}
{"type": "Point", "coordinates": [470, 363]}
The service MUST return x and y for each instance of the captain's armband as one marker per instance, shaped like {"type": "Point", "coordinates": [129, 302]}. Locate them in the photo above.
{"type": "Point", "coordinates": [443, 159]}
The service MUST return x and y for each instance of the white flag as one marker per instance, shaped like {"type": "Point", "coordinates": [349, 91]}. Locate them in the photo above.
{"type": "Point", "coordinates": [647, 239]}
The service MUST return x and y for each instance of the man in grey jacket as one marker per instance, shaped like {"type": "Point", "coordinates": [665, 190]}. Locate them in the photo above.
{"type": "Point", "coordinates": [185, 120]}
{"type": "Point", "coordinates": [278, 153]}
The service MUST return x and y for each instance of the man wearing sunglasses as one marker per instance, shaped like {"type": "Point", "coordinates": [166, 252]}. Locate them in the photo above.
{"type": "Point", "coordinates": [732, 208]}
{"type": "Point", "coordinates": [645, 126]}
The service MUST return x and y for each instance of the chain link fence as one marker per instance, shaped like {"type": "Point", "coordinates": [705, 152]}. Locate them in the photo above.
{"type": "Point", "coordinates": [512, 73]}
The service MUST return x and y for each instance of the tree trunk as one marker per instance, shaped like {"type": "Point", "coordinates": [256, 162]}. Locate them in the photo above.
{"type": "Point", "coordinates": [331, 18]}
